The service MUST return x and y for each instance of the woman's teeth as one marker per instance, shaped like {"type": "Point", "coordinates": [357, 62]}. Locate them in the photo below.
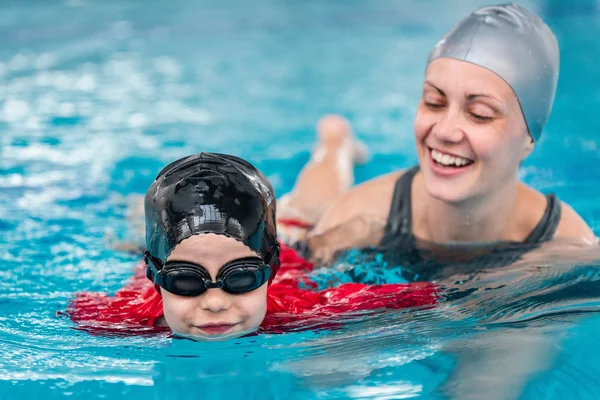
{"type": "Point", "coordinates": [448, 160]}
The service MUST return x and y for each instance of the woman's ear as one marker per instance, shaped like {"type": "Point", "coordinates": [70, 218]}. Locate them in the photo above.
{"type": "Point", "coordinates": [528, 146]}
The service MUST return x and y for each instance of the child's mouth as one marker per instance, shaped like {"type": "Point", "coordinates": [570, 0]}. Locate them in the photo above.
{"type": "Point", "coordinates": [216, 329]}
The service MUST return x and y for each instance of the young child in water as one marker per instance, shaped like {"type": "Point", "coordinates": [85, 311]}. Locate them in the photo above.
{"type": "Point", "coordinates": [214, 268]}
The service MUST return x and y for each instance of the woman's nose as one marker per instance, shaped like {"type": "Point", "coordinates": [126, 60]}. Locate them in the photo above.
{"type": "Point", "coordinates": [215, 300]}
{"type": "Point", "coordinates": [449, 127]}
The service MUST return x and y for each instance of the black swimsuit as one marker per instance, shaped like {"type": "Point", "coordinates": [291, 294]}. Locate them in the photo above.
{"type": "Point", "coordinates": [426, 260]}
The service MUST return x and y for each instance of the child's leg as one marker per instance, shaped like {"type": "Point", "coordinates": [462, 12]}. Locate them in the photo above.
{"type": "Point", "coordinates": [328, 174]}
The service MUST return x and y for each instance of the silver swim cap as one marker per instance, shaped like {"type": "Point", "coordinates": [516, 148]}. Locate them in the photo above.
{"type": "Point", "coordinates": [517, 46]}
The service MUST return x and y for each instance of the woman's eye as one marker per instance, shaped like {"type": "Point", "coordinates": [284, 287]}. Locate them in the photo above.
{"type": "Point", "coordinates": [434, 106]}
{"type": "Point", "coordinates": [480, 118]}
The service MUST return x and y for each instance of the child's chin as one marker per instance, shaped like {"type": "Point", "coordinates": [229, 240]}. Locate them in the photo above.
{"type": "Point", "coordinates": [213, 338]}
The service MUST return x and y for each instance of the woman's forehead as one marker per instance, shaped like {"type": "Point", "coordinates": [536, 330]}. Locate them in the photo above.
{"type": "Point", "coordinates": [456, 76]}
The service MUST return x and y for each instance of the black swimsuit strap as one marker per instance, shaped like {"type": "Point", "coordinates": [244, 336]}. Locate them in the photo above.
{"type": "Point", "coordinates": [546, 228]}
{"type": "Point", "coordinates": [398, 228]}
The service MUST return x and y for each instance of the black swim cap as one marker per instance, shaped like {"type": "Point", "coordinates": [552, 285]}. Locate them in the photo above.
{"type": "Point", "coordinates": [211, 193]}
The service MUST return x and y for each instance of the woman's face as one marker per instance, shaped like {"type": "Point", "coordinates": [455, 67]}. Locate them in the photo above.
{"type": "Point", "coordinates": [215, 314]}
{"type": "Point", "coordinates": [470, 132]}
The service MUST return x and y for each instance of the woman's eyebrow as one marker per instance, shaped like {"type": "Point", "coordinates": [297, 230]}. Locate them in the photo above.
{"type": "Point", "coordinates": [495, 103]}
{"type": "Point", "coordinates": [440, 91]}
{"type": "Point", "coordinates": [474, 96]}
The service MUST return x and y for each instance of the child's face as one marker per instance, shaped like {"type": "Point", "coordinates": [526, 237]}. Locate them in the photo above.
{"type": "Point", "coordinates": [215, 314]}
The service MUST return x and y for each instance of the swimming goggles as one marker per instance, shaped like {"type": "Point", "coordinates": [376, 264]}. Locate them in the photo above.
{"type": "Point", "coordinates": [189, 279]}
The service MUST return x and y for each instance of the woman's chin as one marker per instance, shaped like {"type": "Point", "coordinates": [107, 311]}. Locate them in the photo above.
{"type": "Point", "coordinates": [451, 190]}
{"type": "Point", "coordinates": [448, 197]}
{"type": "Point", "coordinates": [447, 192]}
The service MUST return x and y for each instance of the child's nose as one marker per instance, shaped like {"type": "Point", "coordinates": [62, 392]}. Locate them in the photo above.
{"type": "Point", "coordinates": [215, 300]}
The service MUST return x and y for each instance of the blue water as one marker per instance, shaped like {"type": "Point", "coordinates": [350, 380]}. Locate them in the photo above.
{"type": "Point", "coordinates": [96, 96]}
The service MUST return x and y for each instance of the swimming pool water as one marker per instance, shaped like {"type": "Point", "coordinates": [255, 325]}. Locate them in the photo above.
{"type": "Point", "coordinates": [96, 96]}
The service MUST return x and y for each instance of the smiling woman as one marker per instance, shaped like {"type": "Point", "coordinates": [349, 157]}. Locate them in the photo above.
{"type": "Point", "coordinates": [488, 91]}
{"type": "Point", "coordinates": [470, 134]}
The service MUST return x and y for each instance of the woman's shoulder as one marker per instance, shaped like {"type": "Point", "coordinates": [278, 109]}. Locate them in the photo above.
{"type": "Point", "coordinates": [371, 198]}
{"type": "Point", "coordinates": [570, 224]}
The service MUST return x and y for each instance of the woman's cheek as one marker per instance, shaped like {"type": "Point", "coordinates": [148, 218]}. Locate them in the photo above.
{"type": "Point", "coordinates": [421, 124]}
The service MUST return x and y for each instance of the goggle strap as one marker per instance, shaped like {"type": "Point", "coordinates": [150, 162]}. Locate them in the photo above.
{"type": "Point", "coordinates": [153, 266]}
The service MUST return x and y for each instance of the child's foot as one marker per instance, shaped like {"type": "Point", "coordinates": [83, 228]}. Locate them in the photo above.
{"type": "Point", "coordinates": [335, 131]}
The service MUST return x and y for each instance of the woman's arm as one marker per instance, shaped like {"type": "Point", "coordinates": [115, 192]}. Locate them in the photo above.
{"type": "Point", "coordinates": [497, 365]}
{"type": "Point", "coordinates": [359, 231]}
{"type": "Point", "coordinates": [357, 219]}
